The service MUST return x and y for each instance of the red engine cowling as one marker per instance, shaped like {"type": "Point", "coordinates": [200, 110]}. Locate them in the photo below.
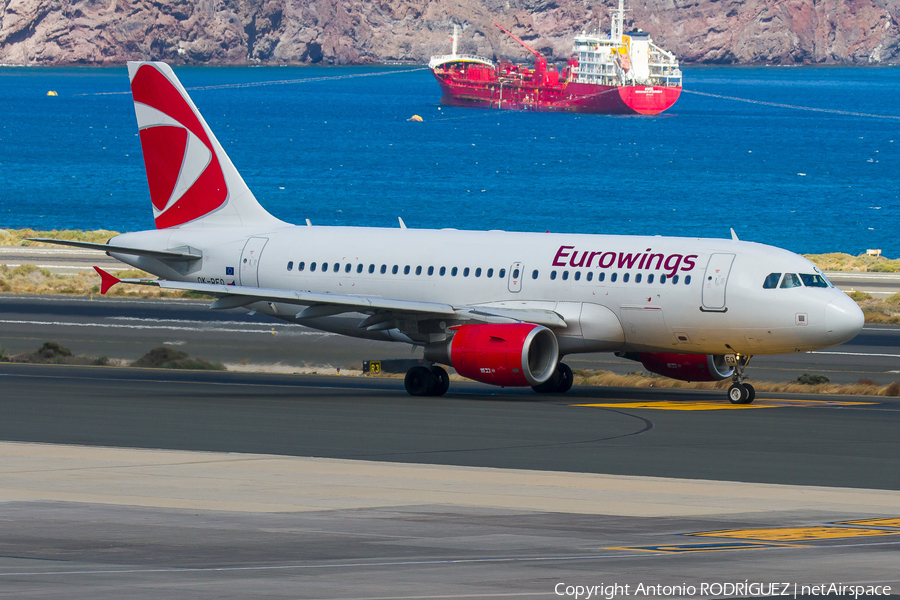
{"type": "Point", "coordinates": [515, 354]}
{"type": "Point", "coordinates": [687, 367]}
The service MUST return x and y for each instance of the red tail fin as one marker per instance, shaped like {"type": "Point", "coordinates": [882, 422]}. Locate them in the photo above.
{"type": "Point", "coordinates": [190, 176]}
{"type": "Point", "coordinates": [106, 280]}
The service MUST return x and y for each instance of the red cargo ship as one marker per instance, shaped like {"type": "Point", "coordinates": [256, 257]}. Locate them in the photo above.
{"type": "Point", "coordinates": [614, 73]}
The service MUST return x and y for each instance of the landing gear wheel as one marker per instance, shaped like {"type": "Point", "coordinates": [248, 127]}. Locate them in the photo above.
{"type": "Point", "coordinates": [565, 378]}
{"type": "Point", "coordinates": [549, 386]}
{"type": "Point", "coordinates": [751, 393]}
{"type": "Point", "coordinates": [738, 394]}
{"type": "Point", "coordinates": [420, 381]}
{"type": "Point", "coordinates": [559, 383]}
{"type": "Point", "coordinates": [442, 381]}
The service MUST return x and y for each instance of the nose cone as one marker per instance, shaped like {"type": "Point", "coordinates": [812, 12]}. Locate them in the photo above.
{"type": "Point", "coordinates": [843, 320]}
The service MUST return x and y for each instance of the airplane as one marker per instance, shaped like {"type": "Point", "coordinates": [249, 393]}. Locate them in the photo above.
{"type": "Point", "coordinates": [501, 308]}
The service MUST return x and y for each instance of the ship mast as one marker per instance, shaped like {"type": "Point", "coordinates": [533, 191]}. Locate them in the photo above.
{"type": "Point", "coordinates": [454, 39]}
{"type": "Point", "coordinates": [616, 23]}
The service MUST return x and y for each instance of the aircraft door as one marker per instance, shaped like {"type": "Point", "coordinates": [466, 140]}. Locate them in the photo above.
{"type": "Point", "coordinates": [516, 273]}
{"type": "Point", "coordinates": [715, 280]}
{"type": "Point", "coordinates": [250, 261]}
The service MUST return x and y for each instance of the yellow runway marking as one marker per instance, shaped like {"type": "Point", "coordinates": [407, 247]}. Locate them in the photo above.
{"type": "Point", "coordinates": [713, 547]}
{"type": "Point", "coordinates": [796, 534]}
{"type": "Point", "coordinates": [722, 405]}
{"type": "Point", "coordinates": [884, 522]}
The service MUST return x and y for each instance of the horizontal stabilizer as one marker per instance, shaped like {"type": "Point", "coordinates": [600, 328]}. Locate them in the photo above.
{"type": "Point", "coordinates": [159, 254]}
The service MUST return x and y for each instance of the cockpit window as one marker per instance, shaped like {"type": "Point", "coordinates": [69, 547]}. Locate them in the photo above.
{"type": "Point", "coordinates": [812, 280]}
{"type": "Point", "coordinates": [790, 281]}
{"type": "Point", "coordinates": [772, 281]}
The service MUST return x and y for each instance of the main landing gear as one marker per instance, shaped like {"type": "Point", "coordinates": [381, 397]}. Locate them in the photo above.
{"type": "Point", "coordinates": [559, 383]}
{"type": "Point", "coordinates": [424, 381]}
{"type": "Point", "coordinates": [740, 392]}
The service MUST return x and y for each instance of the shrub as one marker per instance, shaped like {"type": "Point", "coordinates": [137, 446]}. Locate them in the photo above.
{"type": "Point", "coordinates": [858, 296]}
{"type": "Point", "coordinates": [807, 379]}
{"type": "Point", "coordinates": [866, 382]}
{"type": "Point", "coordinates": [893, 389]}
{"type": "Point", "coordinates": [169, 358]}
{"type": "Point", "coordinates": [884, 267]}
{"type": "Point", "coordinates": [893, 299]}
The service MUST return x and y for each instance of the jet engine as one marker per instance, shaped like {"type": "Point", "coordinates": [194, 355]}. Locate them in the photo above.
{"type": "Point", "coordinates": [685, 367]}
{"type": "Point", "coordinates": [514, 354]}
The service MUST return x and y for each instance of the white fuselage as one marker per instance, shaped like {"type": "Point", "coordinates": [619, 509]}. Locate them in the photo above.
{"type": "Point", "coordinates": [615, 293]}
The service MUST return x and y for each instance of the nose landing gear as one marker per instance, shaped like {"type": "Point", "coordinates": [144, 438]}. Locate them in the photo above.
{"type": "Point", "coordinates": [740, 392]}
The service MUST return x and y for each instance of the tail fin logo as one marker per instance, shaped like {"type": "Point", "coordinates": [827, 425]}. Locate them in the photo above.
{"type": "Point", "coordinates": [184, 174]}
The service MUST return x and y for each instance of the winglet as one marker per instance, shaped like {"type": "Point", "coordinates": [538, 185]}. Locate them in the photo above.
{"type": "Point", "coordinates": [106, 280]}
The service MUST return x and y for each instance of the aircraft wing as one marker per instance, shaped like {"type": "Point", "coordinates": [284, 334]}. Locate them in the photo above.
{"type": "Point", "coordinates": [317, 304]}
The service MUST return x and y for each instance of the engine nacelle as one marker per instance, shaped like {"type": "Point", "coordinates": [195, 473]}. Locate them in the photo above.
{"type": "Point", "coordinates": [515, 354]}
{"type": "Point", "coordinates": [687, 367]}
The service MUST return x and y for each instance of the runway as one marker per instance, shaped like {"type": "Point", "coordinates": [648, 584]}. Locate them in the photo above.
{"type": "Point", "coordinates": [233, 485]}
{"type": "Point", "coordinates": [127, 329]}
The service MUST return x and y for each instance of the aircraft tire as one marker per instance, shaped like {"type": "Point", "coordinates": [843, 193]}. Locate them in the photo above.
{"type": "Point", "coordinates": [738, 394]}
{"type": "Point", "coordinates": [442, 381]}
{"type": "Point", "coordinates": [420, 381]}
{"type": "Point", "coordinates": [566, 378]}
{"type": "Point", "coordinates": [751, 393]}
{"type": "Point", "coordinates": [549, 386]}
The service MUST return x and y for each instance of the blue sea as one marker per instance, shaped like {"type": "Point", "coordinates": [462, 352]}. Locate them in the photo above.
{"type": "Point", "coordinates": [334, 145]}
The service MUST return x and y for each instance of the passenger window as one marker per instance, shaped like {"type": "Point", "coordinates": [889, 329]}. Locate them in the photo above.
{"type": "Point", "coordinates": [418, 270]}
{"type": "Point", "coordinates": [650, 278]}
{"type": "Point", "coordinates": [430, 271]}
{"type": "Point", "coordinates": [443, 271]}
{"type": "Point", "coordinates": [534, 274]}
{"type": "Point", "coordinates": [324, 267]}
{"type": "Point", "coordinates": [613, 277]}
{"type": "Point", "coordinates": [577, 275]}
{"type": "Point", "coordinates": [675, 279]}
{"type": "Point", "coordinates": [359, 268]}
{"type": "Point", "coordinates": [601, 277]}
{"type": "Point", "coordinates": [811, 280]}
{"type": "Point", "coordinates": [312, 266]}
{"type": "Point", "coordinates": [394, 270]}
{"type": "Point", "coordinates": [590, 276]}
{"type": "Point", "coordinates": [466, 272]}
{"type": "Point", "coordinates": [515, 273]}
{"type": "Point", "coordinates": [687, 279]}
{"type": "Point", "coordinates": [490, 273]}
{"type": "Point", "coordinates": [347, 268]}
{"type": "Point", "coordinates": [290, 265]}
{"type": "Point", "coordinates": [371, 268]}
{"type": "Point", "coordinates": [637, 278]}
{"type": "Point", "coordinates": [565, 275]}
{"type": "Point", "coordinates": [552, 275]}
{"type": "Point", "coordinates": [790, 281]}
{"type": "Point", "coordinates": [626, 277]}
{"type": "Point", "coordinates": [300, 265]}
{"type": "Point", "coordinates": [662, 278]}
{"type": "Point", "coordinates": [478, 272]}
{"type": "Point", "coordinates": [454, 271]}
{"type": "Point", "coordinates": [337, 267]}
{"type": "Point", "coordinates": [383, 269]}
{"type": "Point", "coordinates": [771, 281]}
{"type": "Point", "coordinates": [502, 273]}
{"type": "Point", "coordinates": [406, 270]}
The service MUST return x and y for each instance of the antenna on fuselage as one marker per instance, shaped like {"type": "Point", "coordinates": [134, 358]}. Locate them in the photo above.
{"type": "Point", "coordinates": [308, 223]}
{"type": "Point", "coordinates": [734, 237]}
{"type": "Point", "coordinates": [402, 224]}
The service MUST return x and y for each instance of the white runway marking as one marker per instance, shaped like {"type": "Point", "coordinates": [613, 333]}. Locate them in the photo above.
{"type": "Point", "coordinates": [212, 327]}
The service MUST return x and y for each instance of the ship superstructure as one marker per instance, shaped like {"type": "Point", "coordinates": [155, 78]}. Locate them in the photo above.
{"type": "Point", "coordinates": [613, 72]}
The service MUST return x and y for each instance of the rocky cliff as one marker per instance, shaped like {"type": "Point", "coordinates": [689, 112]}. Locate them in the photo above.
{"type": "Point", "coordinates": [100, 32]}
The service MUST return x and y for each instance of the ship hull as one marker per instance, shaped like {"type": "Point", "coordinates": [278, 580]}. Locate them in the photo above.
{"type": "Point", "coordinates": [572, 97]}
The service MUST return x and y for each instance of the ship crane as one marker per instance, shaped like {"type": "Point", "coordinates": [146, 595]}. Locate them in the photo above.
{"type": "Point", "coordinates": [540, 63]}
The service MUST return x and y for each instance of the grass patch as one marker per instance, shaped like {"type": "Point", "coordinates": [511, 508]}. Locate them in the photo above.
{"type": "Point", "coordinates": [838, 261]}
{"type": "Point", "coordinates": [17, 237]}
{"type": "Point", "coordinates": [52, 353]}
{"type": "Point", "coordinates": [642, 380]}
{"type": "Point", "coordinates": [169, 358]}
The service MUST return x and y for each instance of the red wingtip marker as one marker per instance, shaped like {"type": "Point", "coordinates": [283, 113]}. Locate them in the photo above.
{"type": "Point", "coordinates": [106, 280]}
